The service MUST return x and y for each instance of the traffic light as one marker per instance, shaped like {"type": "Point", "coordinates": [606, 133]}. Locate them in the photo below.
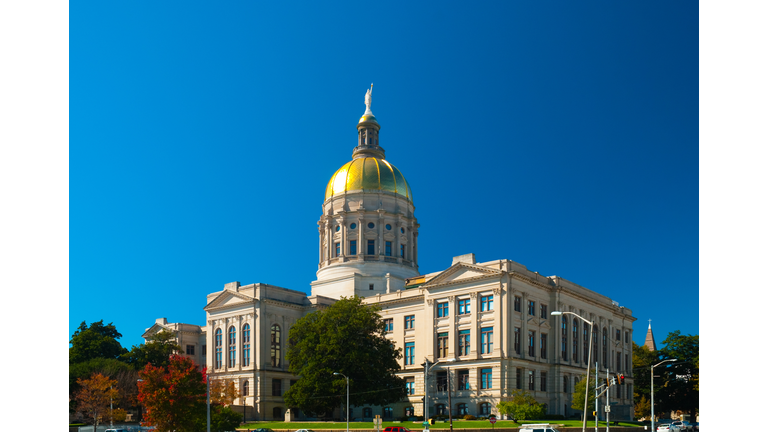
{"type": "Point", "coordinates": [607, 382]}
{"type": "Point", "coordinates": [621, 379]}
{"type": "Point", "coordinates": [432, 421]}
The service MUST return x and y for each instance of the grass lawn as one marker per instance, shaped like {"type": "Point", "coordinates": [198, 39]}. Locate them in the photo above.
{"type": "Point", "coordinates": [457, 424]}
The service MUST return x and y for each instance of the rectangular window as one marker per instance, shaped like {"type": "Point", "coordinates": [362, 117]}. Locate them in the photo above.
{"type": "Point", "coordinates": [519, 378]}
{"type": "Point", "coordinates": [486, 340]}
{"type": "Point", "coordinates": [543, 345]}
{"type": "Point", "coordinates": [565, 384]}
{"type": "Point", "coordinates": [442, 381]}
{"type": "Point", "coordinates": [517, 303]}
{"type": "Point", "coordinates": [190, 350]}
{"type": "Point", "coordinates": [409, 321]}
{"type": "Point", "coordinates": [626, 337]}
{"type": "Point", "coordinates": [410, 350]}
{"type": "Point", "coordinates": [370, 287]}
{"type": "Point", "coordinates": [442, 310]}
{"type": "Point", "coordinates": [486, 378]}
{"type": "Point", "coordinates": [371, 247]}
{"type": "Point", "coordinates": [338, 248]}
{"type": "Point", "coordinates": [204, 351]}
{"type": "Point", "coordinates": [543, 311]}
{"type": "Point", "coordinates": [389, 325]}
{"type": "Point", "coordinates": [402, 251]}
{"type": "Point", "coordinates": [531, 308]}
{"type": "Point", "coordinates": [530, 381]}
{"type": "Point", "coordinates": [463, 342]}
{"type": "Point", "coordinates": [464, 307]}
{"type": "Point", "coordinates": [277, 387]}
{"type": "Point", "coordinates": [543, 381]}
{"type": "Point", "coordinates": [618, 361]}
{"type": "Point", "coordinates": [517, 340]}
{"type": "Point", "coordinates": [532, 343]}
{"type": "Point", "coordinates": [442, 345]}
{"type": "Point", "coordinates": [463, 376]}
{"type": "Point", "coordinates": [618, 334]}
{"type": "Point", "coordinates": [388, 248]}
{"type": "Point", "coordinates": [486, 303]}
{"type": "Point", "coordinates": [410, 386]}
{"type": "Point", "coordinates": [627, 367]}
{"type": "Point", "coordinates": [353, 247]}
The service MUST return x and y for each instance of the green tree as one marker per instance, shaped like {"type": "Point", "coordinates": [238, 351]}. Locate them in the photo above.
{"type": "Point", "coordinates": [643, 408]}
{"type": "Point", "coordinates": [157, 351]}
{"type": "Point", "coordinates": [223, 418]}
{"type": "Point", "coordinates": [642, 360]}
{"type": "Point", "coordinates": [680, 390]}
{"type": "Point", "coordinates": [348, 337]}
{"type": "Point", "coordinates": [522, 406]}
{"type": "Point", "coordinates": [174, 397]}
{"type": "Point", "coordinates": [577, 401]}
{"type": "Point", "coordinates": [95, 341]}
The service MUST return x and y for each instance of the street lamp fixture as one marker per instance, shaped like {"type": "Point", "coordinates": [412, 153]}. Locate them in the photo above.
{"type": "Point", "coordinates": [653, 416]}
{"type": "Point", "coordinates": [589, 361]}
{"type": "Point", "coordinates": [337, 373]}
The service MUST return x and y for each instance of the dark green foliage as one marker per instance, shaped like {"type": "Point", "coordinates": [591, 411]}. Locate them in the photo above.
{"type": "Point", "coordinates": [157, 351]}
{"type": "Point", "coordinates": [347, 337]}
{"type": "Point", "coordinates": [577, 401]}
{"type": "Point", "coordinates": [224, 419]}
{"type": "Point", "coordinates": [95, 341]}
{"type": "Point", "coordinates": [522, 406]}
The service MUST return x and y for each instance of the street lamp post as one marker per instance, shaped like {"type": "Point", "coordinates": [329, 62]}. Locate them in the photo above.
{"type": "Point", "coordinates": [589, 360]}
{"type": "Point", "coordinates": [337, 373]}
{"type": "Point", "coordinates": [653, 415]}
{"type": "Point", "coordinates": [427, 368]}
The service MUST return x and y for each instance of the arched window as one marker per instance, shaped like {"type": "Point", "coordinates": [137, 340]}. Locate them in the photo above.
{"type": "Point", "coordinates": [217, 343]}
{"type": "Point", "coordinates": [275, 345]}
{"type": "Point", "coordinates": [245, 388]}
{"type": "Point", "coordinates": [440, 409]}
{"type": "Point", "coordinates": [246, 345]}
{"type": "Point", "coordinates": [564, 338]}
{"type": "Point", "coordinates": [485, 408]}
{"type": "Point", "coordinates": [367, 413]}
{"type": "Point", "coordinates": [232, 337]}
{"type": "Point", "coordinates": [586, 344]}
{"type": "Point", "coordinates": [575, 340]}
{"type": "Point", "coordinates": [461, 409]}
{"type": "Point", "coordinates": [387, 412]}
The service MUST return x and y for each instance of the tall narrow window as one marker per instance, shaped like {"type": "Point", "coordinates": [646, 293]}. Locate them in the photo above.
{"type": "Point", "coordinates": [232, 346]}
{"type": "Point", "coordinates": [442, 345]}
{"type": "Point", "coordinates": [463, 376]}
{"type": "Point", "coordinates": [543, 381]}
{"type": "Point", "coordinates": [618, 362]}
{"type": "Point", "coordinates": [517, 340]}
{"type": "Point", "coordinates": [353, 247]}
{"type": "Point", "coordinates": [274, 351]}
{"type": "Point", "coordinates": [531, 308]}
{"type": "Point", "coordinates": [605, 347]}
{"type": "Point", "coordinates": [532, 343]}
{"type": "Point", "coordinates": [410, 351]}
{"type": "Point", "coordinates": [409, 321]}
{"type": "Point", "coordinates": [486, 340]}
{"type": "Point", "coordinates": [442, 381]}
{"type": "Point", "coordinates": [564, 338]}
{"type": "Point", "coordinates": [518, 300]}
{"type": "Point", "coordinates": [388, 248]}
{"type": "Point", "coordinates": [464, 306]}
{"type": "Point", "coordinates": [410, 386]}
{"type": "Point", "coordinates": [575, 353]}
{"type": "Point", "coordinates": [530, 381]}
{"type": "Point", "coordinates": [543, 309]}
{"type": "Point", "coordinates": [486, 378]}
{"type": "Point", "coordinates": [218, 343]}
{"type": "Point", "coordinates": [585, 351]}
{"type": "Point", "coordinates": [371, 247]}
{"type": "Point", "coordinates": [486, 303]}
{"type": "Point", "coordinates": [245, 388]}
{"type": "Point", "coordinates": [402, 251]}
{"type": "Point", "coordinates": [389, 325]}
{"type": "Point", "coordinates": [277, 387]}
{"type": "Point", "coordinates": [338, 248]}
{"type": "Point", "coordinates": [543, 345]}
{"type": "Point", "coordinates": [565, 384]}
{"type": "Point", "coordinates": [519, 378]}
{"type": "Point", "coordinates": [246, 345]}
{"type": "Point", "coordinates": [463, 342]}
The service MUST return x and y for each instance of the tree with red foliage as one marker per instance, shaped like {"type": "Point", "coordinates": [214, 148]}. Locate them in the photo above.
{"type": "Point", "coordinates": [174, 397]}
{"type": "Point", "coordinates": [94, 396]}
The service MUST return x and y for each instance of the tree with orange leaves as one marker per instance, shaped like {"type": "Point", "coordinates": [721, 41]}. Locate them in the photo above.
{"type": "Point", "coordinates": [94, 396]}
{"type": "Point", "coordinates": [174, 397]}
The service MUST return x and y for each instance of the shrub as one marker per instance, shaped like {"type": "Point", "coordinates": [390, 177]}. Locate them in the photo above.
{"type": "Point", "coordinates": [469, 417]}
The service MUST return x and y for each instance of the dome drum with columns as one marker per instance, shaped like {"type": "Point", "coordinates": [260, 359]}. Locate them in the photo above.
{"type": "Point", "coordinates": [368, 230]}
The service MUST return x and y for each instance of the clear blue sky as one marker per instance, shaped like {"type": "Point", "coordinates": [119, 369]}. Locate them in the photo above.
{"type": "Point", "coordinates": [561, 135]}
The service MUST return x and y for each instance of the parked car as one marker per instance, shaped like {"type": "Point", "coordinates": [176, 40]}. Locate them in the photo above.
{"type": "Point", "coordinates": [684, 425]}
{"type": "Point", "coordinates": [668, 427]}
{"type": "Point", "coordinates": [305, 430]}
{"type": "Point", "coordinates": [263, 430]}
{"type": "Point", "coordinates": [396, 429]}
{"type": "Point", "coordinates": [544, 427]}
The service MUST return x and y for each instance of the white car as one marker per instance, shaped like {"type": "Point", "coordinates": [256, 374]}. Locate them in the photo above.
{"type": "Point", "coordinates": [668, 427]}
{"type": "Point", "coordinates": [545, 427]}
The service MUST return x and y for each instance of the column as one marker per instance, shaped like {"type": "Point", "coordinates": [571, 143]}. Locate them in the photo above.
{"type": "Point", "coordinates": [474, 336]}
{"type": "Point", "coordinates": [343, 246]}
{"type": "Point", "coordinates": [498, 323]}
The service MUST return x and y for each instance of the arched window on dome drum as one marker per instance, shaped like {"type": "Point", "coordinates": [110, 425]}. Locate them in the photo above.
{"type": "Point", "coordinates": [231, 345]}
{"type": "Point", "coordinates": [246, 345]}
{"type": "Point", "coordinates": [575, 340]}
{"type": "Point", "coordinates": [275, 345]}
{"type": "Point", "coordinates": [217, 343]}
{"type": "Point", "coordinates": [245, 388]}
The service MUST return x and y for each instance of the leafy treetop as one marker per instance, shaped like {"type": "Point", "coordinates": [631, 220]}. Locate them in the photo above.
{"type": "Point", "coordinates": [95, 341]}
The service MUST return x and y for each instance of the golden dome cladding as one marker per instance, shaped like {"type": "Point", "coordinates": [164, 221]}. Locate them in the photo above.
{"type": "Point", "coordinates": [368, 173]}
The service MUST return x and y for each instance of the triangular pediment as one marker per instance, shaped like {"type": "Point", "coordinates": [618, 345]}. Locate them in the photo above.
{"type": "Point", "coordinates": [156, 328]}
{"type": "Point", "coordinates": [228, 298]}
{"type": "Point", "coordinates": [462, 273]}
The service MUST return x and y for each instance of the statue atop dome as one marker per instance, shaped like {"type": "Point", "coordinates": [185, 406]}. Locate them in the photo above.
{"type": "Point", "coordinates": [368, 100]}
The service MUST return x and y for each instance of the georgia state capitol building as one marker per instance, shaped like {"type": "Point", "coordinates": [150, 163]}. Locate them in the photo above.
{"type": "Point", "coordinates": [489, 323]}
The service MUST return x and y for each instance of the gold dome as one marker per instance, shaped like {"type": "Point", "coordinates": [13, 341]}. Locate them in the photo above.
{"type": "Point", "coordinates": [369, 174]}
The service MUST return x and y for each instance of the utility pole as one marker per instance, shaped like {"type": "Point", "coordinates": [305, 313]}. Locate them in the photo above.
{"type": "Point", "coordinates": [597, 411]}
{"type": "Point", "coordinates": [607, 402]}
